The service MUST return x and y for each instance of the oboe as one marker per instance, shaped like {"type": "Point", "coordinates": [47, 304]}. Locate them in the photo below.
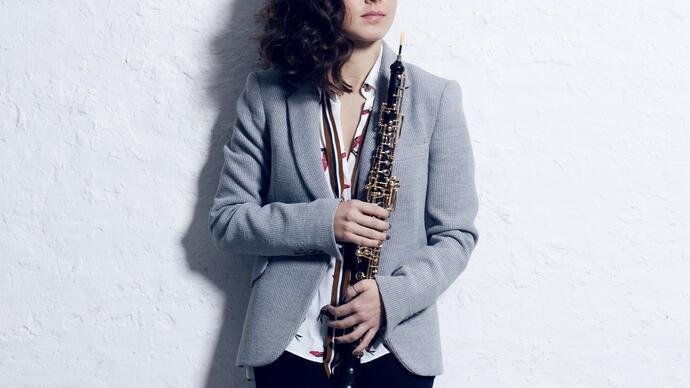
{"type": "Point", "coordinates": [381, 189]}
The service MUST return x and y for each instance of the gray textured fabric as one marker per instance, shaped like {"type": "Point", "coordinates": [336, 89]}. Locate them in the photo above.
{"type": "Point", "coordinates": [273, 204]}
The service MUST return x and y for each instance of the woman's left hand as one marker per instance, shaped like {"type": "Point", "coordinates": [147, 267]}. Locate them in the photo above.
{"type": "Point", "coordinates": [363, 305]}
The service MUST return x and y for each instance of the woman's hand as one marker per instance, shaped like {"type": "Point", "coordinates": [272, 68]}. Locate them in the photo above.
{"type": "Point", "coordinates": [364, 309]}
{"type": "Point", "coordinates": [356, 222]}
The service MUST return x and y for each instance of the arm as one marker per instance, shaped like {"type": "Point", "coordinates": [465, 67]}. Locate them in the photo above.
{"type": "Point", "coordinates": [451, 207]}
{"type": "Point", "coordinates": [239, 220]}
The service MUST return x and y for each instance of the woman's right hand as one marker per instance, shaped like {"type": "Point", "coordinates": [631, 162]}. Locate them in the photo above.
{"type": "Point", "coordinates": [361, 223]}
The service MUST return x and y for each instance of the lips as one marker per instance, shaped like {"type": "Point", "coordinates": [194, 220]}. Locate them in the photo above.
{"type": "Point", "coordinates": [374, 13]}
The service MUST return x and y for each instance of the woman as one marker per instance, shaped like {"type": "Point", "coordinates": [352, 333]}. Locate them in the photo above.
{"type": "Point", "coordinates": [292, 194]}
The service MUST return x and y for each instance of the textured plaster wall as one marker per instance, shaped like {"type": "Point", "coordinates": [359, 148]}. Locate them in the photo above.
{"type": "Point", "coordinates": [112, 115]}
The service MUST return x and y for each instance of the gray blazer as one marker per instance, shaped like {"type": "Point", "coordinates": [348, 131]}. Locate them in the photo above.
{"type": "Point", "coordinates": [274, 204]}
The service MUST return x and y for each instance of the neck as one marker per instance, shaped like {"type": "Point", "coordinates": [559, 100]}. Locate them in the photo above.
{"type": "Point", "coordinates": [356, 68]}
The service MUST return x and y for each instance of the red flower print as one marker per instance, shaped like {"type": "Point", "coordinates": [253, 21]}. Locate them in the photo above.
{"type": "Point", "coordinates": [316, 353]}
{"type": "Point", "coordinates": [342, 155]}
{"type": "Point", "coordinates": [346, 186]}
{"type": "Point", "coordinates": [324, 160]}
{"type": "Point", "coordinates": [355, 142]}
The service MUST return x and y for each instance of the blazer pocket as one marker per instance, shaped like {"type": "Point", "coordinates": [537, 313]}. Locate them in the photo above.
{"type": "Point", "coordinates": [259, 268]}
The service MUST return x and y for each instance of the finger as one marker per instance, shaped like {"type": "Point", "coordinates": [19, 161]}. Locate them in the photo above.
{"type": "Point", "coordinates": [361, 286]}
{"type": "Point", "coordinates": [364, 342]}
{"type": "Point", "coordinates": [342, 310]}
{"type": "Point", "coordinates": [352, 336]}
{"type": "Point", "coordinates": [345, 322]}
{"type": "Point", "coordinates": [366, 232]}
{"type": "Point", "coordinates": [372, 209]}
{"type": "Point", "coordinates": [360, 240]}
{"type": "Point", "coordinates": [350, 293]}
{"type": "Point", "coordinates": [372, 222]}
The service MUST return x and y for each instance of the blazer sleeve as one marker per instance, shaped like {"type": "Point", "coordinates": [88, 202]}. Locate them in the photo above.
{"type": "Point", "coordinates": [451, 208]}
{"type": "Point", "coordinates": [239, 220]}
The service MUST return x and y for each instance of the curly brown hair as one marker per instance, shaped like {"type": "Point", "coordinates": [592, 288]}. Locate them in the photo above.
{"type": "Point", "coordinates": [304, 39]}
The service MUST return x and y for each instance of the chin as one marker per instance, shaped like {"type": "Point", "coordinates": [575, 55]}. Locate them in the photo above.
{"type": "Point", "coordinates": [369, 37]}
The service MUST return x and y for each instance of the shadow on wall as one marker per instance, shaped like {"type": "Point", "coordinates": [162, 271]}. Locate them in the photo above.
{"type": "Point", "coordinates": [234, 55]}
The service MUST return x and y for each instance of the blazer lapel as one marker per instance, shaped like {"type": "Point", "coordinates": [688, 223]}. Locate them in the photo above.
{"type": "Point", "coordinates": [304, 126]}
{"type": "Point", "coordinates": [304, 114]}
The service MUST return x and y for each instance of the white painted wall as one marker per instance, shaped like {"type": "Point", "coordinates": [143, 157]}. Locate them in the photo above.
{"type": "Point", "coordinates": [112, 118]}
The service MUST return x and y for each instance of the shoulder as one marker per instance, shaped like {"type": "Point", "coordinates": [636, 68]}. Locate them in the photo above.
{"type": "Point", "coordinates": [439, 98]}
{"type": "Point", "coordinates": [425, 80]}
{"type": "Point", "coordinates": [430, 85]}
{"type": "Point", "coordinates": [270, 82]}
